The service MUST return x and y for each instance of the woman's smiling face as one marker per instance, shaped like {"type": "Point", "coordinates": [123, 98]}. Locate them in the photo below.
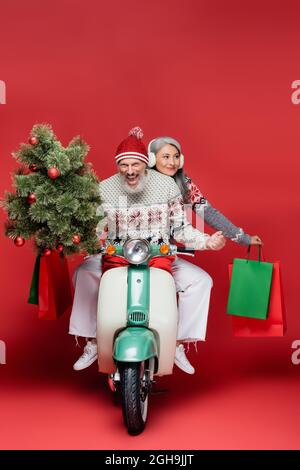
{"type": "Point", "coordinates": [168, 160]}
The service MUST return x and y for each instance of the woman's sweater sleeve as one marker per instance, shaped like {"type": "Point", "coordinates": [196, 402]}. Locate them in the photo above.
{"type": "Point", "coordinates": [213, 217]}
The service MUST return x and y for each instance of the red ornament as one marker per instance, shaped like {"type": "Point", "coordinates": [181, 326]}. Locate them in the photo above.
{"type": "Point", "coordinates": [19, 241]}
{"type": "Point", "coordinates": [47, 252]}
{"type": "Point", "coordinates": [33, 140]}
{"type": "Point", "coordinates": [53, 173]}
{"type": "Point", "coordinates": [76, 239]}
{"type": "Point", "coordinates": [31, 198]}
{"type": "Point", "coordinates": [33, 167]}
{"type": "Point", "coordinates": [60, 248]}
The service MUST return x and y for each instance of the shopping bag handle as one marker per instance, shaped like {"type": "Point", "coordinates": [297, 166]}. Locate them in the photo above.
{"type": "Point", "coordinates": [260, 253]}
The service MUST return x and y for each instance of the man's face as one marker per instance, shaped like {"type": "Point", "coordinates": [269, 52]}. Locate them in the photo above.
{"type": "Point", "coordinates": [132, 171]}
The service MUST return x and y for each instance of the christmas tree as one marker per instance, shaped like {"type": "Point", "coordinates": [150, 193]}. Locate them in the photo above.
{"type": "Point", "coordinates": [56, 195]}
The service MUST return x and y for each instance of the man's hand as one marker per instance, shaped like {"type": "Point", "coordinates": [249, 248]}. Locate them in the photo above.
{"type": "Point", "coordinates": [216, 241]}
{"type": "Point", "coordinates": [255, 240]}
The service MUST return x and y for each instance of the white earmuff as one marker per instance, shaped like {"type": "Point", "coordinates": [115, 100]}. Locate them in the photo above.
{"type": "Point", "coordinates": [152, 159]}
{"type": "Point", "coordinates": [151, 155]}
{"type": "Point", "coordinates": [181, 161]}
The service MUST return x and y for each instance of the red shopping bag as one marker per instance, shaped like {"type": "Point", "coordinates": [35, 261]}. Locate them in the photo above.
{"type": "Point", "coordinates": [51, 287]}
{"type": "Point", "coordinates": [275, 324]}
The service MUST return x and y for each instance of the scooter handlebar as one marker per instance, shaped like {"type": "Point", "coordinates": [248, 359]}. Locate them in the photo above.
{"type": "Point", "coordinates": [185, 251]}
{"type": "Point", "coordinates": [174, 249]}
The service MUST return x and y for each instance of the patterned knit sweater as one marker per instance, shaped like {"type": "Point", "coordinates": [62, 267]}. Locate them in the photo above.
{"type": "Point", "coordinates": [156, 213]}
{"type": "Point", "coordinates": [213, 217]}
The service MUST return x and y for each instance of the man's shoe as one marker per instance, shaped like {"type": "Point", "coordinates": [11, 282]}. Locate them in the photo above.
{"type": "Point", "coordinates": [89, 356]}
{"type": "Point", "coordinates": [182, 361]}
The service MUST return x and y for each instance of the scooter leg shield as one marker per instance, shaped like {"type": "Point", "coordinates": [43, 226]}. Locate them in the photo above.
{"type": "Point", "coordinates": [135, 344]}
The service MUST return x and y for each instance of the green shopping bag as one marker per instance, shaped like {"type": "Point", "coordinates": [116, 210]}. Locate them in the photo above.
{"type": "Point", "coordinates": [250, 287]}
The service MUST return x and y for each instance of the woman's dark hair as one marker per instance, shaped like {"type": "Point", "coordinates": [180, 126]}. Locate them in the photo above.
{"type": "Point", "coordinates": [180, 179]}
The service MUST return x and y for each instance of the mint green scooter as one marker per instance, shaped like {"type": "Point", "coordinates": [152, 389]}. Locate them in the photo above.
{"type": "Point", "coordinates": [137, 326]}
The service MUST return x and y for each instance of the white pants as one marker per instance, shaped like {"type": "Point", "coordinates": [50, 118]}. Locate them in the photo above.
{"type": "Point", "coordinates": [193, 285]}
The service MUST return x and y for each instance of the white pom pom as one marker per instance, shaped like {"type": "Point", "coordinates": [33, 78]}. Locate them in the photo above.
{"type": "Point", "coordinates": [137, 131]}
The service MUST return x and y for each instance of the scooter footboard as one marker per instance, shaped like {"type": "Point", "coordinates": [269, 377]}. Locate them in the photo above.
{"type": "Point", "coordinates": [164, 317]}
{"type": "Point", "coordinates": [111, 314]}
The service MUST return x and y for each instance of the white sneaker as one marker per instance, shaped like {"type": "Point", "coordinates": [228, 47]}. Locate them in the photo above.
{"type": "Point", "coordinates": [182, 361]}
{"type": "Point", "coordinates": [89, 356]}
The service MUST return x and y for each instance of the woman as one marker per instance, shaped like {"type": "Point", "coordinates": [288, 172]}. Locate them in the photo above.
{"type": "Point", "coordinates": [165, 156]}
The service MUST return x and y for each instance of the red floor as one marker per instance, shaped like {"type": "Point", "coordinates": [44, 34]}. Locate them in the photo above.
{"type": "Point", "coordinates": [229, 404]}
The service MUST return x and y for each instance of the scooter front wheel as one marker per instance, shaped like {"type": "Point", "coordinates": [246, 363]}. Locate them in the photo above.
{"type": "Point", "coordinates": [135, 387]}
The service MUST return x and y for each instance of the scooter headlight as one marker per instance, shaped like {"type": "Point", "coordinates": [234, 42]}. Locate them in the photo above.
{"type": "Point", "coordinates": [136, 251]}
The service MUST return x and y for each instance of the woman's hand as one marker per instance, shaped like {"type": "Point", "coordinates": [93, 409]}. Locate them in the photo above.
{"type": "Point", "coordinates": [216, 241]}
{"type": "Point", "coordinates": [255, 240]}
{"type": "Point", "coordinates": [102, 237]}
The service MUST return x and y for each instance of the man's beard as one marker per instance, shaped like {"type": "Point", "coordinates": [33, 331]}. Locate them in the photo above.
{"type": "Point", "coordinates": [136, 189]}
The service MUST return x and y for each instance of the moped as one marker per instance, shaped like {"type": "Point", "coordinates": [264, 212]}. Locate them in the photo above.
{"type": "Point", "coordinates": [137, 325]}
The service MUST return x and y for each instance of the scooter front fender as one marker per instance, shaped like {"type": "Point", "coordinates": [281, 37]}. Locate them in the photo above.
{"type": "Point", "coordinates": [135, 344]}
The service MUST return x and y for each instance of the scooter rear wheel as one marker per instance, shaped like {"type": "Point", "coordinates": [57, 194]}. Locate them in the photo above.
{"type": "Point", "coordinates": [135, 390]}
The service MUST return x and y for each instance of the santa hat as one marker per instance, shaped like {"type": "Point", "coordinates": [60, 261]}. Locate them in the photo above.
{"type": "Point", "coordinates": [132, 147]}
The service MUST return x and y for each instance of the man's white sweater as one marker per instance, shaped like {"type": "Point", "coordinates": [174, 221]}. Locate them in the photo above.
{"type": "Point", "coordinates": [156, 213]}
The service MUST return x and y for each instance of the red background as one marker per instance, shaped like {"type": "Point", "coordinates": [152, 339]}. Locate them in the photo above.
{"type": "Point", "coordinates": [217, 76]}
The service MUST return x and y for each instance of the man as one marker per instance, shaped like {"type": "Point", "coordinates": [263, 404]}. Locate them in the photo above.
{"type": "Point", "coordinates": [142, 203]}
